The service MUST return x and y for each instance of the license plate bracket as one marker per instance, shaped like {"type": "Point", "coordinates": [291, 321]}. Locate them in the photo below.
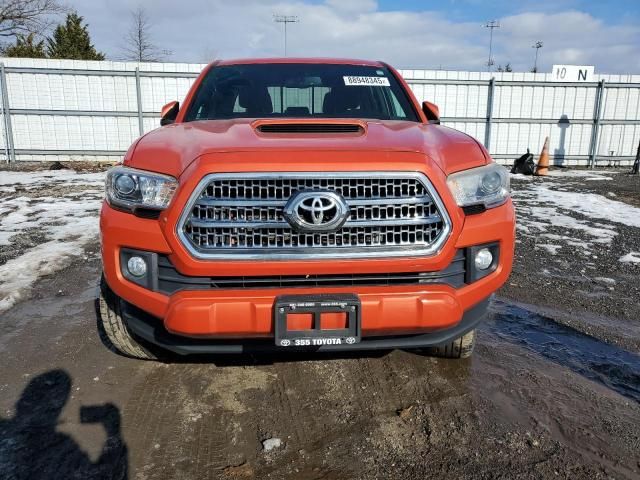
{"type": "Point", "coordinates": [316, 305]}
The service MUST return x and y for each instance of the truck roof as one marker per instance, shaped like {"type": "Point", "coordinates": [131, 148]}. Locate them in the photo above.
{"type": "Point", "coordinates": [330, 61]}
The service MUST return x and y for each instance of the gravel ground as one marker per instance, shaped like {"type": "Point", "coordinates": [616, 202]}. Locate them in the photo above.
{"type": "Point", "coordinates": [553, 390]}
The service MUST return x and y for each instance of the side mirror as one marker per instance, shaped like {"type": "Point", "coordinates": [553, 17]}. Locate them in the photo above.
{"type": "Point", "coordinates": [432, 112]}
{"type": "Point", "coordinates": [169, 113]}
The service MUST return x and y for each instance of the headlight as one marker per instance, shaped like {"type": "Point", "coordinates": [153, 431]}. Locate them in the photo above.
{"type": "Point", "coordinates": [488, 186]}
{"type": "Point", "coordinates": [130, 189]}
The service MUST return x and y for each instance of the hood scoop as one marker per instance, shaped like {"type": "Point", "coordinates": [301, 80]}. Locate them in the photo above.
{"type": "Point", "coordinates": [311, 128]}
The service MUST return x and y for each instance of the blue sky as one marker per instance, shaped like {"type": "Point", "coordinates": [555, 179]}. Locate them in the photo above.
{"type": "Point", "coordinates": [434, 34]}
{"type": "Point", "coordinates": [469, 10]}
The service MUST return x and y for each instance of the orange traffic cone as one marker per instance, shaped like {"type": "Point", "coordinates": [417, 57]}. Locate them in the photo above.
{"type": "Point", "coordinates": [543, 163]}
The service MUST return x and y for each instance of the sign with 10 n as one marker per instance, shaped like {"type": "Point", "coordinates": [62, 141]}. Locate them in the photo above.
{"type": "Point", "coordinates": [572, 73]}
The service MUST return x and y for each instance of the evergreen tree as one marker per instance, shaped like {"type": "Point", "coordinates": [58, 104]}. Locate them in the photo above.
{"type": "Point", "coordinates": [26, 47]}
{"type": "Point", "coordinates": [72, 41]}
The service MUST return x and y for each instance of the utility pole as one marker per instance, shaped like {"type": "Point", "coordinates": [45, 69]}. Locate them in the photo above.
{"type": "Point", "coordinates": [538, 45]}
{"type": "Point", "coordinates": [285, 19]}
{"type": "Point", "coordinates": [491, 25]}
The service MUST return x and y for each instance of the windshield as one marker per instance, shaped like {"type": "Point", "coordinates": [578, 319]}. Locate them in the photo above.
{"type": "Point", "coordinates": [298, 90]}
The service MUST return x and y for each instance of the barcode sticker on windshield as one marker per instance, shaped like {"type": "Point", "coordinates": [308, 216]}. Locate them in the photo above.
{"type": "Point", "coordinates": [371, 81]}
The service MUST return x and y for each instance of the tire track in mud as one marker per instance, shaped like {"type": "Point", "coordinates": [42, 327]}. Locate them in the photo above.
{"type": "Point", "coordinates": [323, 411]}
{"type": "Point", "coordinates": [179, 426]}
{"type": "Point", "coordinates": [298, 427]}
{"type": "Point", "coordinates": [345, 408]}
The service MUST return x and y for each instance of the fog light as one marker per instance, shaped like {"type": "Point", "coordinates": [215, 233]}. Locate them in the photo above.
{"type": "Point", "coordinates": [138, 267]}
{"type": "Point", "coordinates": [483, 259]}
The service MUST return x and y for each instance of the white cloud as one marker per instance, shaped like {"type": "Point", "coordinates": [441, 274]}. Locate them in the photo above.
{"type": "Point", "coordinates": [199, 29]}
{"type": "Point", "coordinates": [353, 6]}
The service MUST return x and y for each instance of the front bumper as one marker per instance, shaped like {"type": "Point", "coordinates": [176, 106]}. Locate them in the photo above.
{"type": "Point", "coordinates": [150, 329]}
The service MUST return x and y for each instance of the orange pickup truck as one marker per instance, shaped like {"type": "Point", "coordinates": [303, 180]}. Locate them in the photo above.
{"type": "Point", "coordinates": [302, 205]}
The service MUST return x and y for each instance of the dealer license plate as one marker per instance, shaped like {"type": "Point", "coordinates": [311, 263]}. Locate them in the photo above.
{"type": "Point", "coordinates": [312, 321]}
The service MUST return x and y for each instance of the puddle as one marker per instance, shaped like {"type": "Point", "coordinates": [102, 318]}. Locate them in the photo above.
{"type": "Point", "coordinates": [611, 366]}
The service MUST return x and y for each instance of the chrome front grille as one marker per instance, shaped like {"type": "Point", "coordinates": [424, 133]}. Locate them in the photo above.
{"type": "Point", "coordinates": [241, 216]}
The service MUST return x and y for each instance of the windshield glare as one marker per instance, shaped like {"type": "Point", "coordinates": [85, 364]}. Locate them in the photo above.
{"type": "Point", "coordinates": [300, 91]}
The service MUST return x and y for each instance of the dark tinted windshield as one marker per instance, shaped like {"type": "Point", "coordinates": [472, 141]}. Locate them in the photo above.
{"type": "Point", "coordinates": [301, 91]}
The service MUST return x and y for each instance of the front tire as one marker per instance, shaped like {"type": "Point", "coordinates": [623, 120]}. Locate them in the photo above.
{"type": "Point", "coordinates": [112, 329]}
{"type": "Point", "coordinates": [461, 347]}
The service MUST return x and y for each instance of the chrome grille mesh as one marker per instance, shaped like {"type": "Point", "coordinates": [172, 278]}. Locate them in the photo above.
{"type": "Point", "coordinates": [282, 188]}
{"type": "Point", "coordinates": [267, 213]}
{"type": "Point", "coordinates": [241, 216]}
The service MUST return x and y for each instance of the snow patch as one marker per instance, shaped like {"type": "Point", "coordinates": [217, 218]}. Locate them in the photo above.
{"type": "Point", "coordinates": [582, 174]}
{"type": "Point", "coordinates": [522, 176]}
{"type": "Point", "coordinates": [588, 204]}
{"type": "Point", "coordinates": [584, 221]}
{"type": "Point", "coordinates": [48, 177]}
{"type": "Point", "coordinates": [63, 225]}
{"type": "Point", "coordinates": [554, 218]}
{"type": "Point", "coordinates": [632, 257]}
{"type": "Point", "coordinates": [549, 247]}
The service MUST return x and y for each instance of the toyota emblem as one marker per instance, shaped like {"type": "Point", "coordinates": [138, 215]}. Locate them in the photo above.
{"type": "Point", "coordinates": [316, 211]}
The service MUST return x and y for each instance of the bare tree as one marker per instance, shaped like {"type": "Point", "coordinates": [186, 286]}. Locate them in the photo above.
{"type": "Point", "coordinates": [23, 17]}
{"type": "Point", "coordinates": [139, 46]}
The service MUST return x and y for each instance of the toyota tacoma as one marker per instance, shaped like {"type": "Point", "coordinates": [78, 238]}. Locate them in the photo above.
{"type": "Point", "coordinates": [302, 205]}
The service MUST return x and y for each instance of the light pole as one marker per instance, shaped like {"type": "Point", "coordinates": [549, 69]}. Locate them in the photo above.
{"type": "Point", "coordinates": [285, 19]}
{"type": "Point", "coordinates": [491, 25]}
{"type": "Point", "coordinates": [538, 45]}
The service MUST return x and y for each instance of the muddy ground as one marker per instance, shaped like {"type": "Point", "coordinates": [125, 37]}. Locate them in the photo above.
{"type": "Point", "coordinates": [552, 391]}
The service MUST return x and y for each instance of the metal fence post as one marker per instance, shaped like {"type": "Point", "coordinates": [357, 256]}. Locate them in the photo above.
{"type": "Point", "coordinates": [6, 117]}
{"type": "Point", "coordinates": [139, 100]}
{"type": "Point", "coordinates": [597, 112]}
{"type": "Point", "coordinates": [4, 123]}
{"type": "Point", "coordinates": [487, 129]}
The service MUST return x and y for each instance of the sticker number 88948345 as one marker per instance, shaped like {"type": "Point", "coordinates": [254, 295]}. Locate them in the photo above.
{"type": "Point", "coordinates": [366, 81]}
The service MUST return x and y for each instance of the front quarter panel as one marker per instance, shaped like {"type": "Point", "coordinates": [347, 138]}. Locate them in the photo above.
{"type": "Point", "coordinates": [453, 150]}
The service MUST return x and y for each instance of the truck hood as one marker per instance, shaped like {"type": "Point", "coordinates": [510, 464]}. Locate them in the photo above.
{"type": "Point", "coordinates": [171, 149]}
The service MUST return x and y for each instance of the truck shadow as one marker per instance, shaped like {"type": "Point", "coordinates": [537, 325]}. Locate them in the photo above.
{"type": "Point", "coordinates": [31, 447]}
{"type": "Point", "coordinates": [608, 365]}
{"type": "Point", "coordinates": [263, 359]}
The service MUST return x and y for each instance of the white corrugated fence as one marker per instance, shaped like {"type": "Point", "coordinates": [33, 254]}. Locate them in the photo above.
{"type": "Point", "coordinates": [88, 110]}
